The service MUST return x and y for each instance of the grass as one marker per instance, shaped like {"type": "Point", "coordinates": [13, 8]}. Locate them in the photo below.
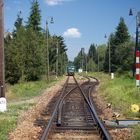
{"type": "Point", "coordinates": [121, 92]}
{"type": "Point", "coordinates": [26, 90]}
{"type": "Point", "coordinates": [16, 95]}
{"type": "Point", "coordinates": [8, 120]}
{"type": "Point", "coordinates": [136, 132]}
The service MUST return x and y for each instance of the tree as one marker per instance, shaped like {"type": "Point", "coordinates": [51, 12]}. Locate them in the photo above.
{"type": "Point", "coordinates": [25, 52]}
{"type": "Point", "coordinates": [14, 52]}
{"type": "Point", "coordinates": [34, 20]}
{"type": "Point", "coordinates": [34, 55]}
{"type": "Point", "coordinates": [113, 60]}
{"type": "Point", "coordinates": [101, 55]}
{"type": "Point", "coordinates": [80, 61]}
{"type": "Point", "coordinates": [117, 42]}
{"type": "Point", "coordinates": [92, 54]}
{"type": "Point", "coordinates": [121, 35]}
{"type": "Point", "coordinates": [57, 45]}
{"type": "Point", "coordinates": [91, 65]}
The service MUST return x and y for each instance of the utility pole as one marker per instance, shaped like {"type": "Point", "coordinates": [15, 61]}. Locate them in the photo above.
{"type": "Point", "coordinates": [47, 48]}
{"type": "Point", "coordinates": [109, 55]}
{"type": "Point", "coordinates": [82, 54]}
{"type": "Point", "coordinates": [48, 78]}
{"type": "Point", "coordinates": [3, 106]}
{"type": "Point", "coordinates": [57, 59]}
{"type": "Point", "coordinates": [2, 79]}
{"type": "Point", "coordinates": [86, 62]}
{"type": "Point", "coordinates": [97, 55]}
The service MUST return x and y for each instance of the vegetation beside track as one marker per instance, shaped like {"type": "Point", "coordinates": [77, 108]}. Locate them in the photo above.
{"type": "Point", "coordinates": [121, 92]}
{"type": "Point", "coordinates": [19, 99]}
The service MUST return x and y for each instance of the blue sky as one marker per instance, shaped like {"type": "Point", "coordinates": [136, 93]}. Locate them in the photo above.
{"type": "Point", "coordinates": [80, 22]}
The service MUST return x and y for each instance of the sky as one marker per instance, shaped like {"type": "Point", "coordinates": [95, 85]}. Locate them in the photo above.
{"type": "Point", "coordinates": [80, 22]}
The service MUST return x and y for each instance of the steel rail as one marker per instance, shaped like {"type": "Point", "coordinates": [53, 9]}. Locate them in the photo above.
{"type": "Point", "coordinates": [60, 107]}
{"type": "Point", "coordinates": [105, 135]}
{"type": "Point", "coordinates": [46, 131]}
{"type": "Point", "coordinates": [61, 103]}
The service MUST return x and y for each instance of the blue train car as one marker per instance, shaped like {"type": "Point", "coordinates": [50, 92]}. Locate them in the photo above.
{"type": "Point", "coordinates": [70, 70]}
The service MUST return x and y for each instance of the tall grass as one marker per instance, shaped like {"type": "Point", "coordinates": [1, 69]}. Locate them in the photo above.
{"type": "Point", "coordinates": [27, 90]}
{"type": "Point", "coordinates": [19, 92]}
{"type": "Point", "coordinates": [121, 92]}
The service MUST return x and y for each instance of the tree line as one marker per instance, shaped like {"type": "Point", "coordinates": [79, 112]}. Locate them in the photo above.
{"type": "Point", "coordinates": [121, 53]}
{"type": "Point", "coordinates": [26, 53]}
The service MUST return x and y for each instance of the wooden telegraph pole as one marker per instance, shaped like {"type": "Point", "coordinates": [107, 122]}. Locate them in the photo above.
{"type": "Point", "coordinates": [2, 79]}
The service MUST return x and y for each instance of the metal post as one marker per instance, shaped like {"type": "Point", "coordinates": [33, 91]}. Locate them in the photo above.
{"type": "Point", "coordinates": [82, 54]}
{"type": "Point", "coordinates": [137, 32]}
{"type": "Point", "coordinates": [109, 56]}
{"type": "Point", "coordinates": [98, 60]}
{"type": "Point", "coordinates": [48, 78]}
{"type": "Point", "coordinates": [97, 56]}
{"type": "Point", "coordinates": [57, 60]}
{"type": "Point", "coordinates": [137, 50]}
{"type": "Point", "coordinates": [2, 75]}
{"type": "Point", "coordinates": [86, 62]}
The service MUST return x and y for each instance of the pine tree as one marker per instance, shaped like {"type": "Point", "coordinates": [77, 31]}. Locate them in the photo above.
{"type": "Point", "coordinates": [118, 47]}
{"type": "Point", "coordinates": [14, 53]}
{"type": "Point", "coordinates": [121, 35]}
{"type": "Point", "coordinates": [34, 20]}
{"type": "Point", "coordinates": [80, 61]}
{"type": "Point", "coordinates": [92, 54]}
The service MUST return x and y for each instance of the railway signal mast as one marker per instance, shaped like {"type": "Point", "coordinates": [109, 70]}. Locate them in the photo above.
{"type": "Point", "coordinates": [137, 49]}
{"type": "Point", "coordinates": [2, 77]}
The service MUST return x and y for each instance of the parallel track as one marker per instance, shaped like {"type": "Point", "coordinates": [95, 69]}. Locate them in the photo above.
{"type": "Point", "coordinates": [74, 111]}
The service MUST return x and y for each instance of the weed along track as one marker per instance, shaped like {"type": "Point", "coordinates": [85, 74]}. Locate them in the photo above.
{"type": "Point", "coordinates": [71, 114]}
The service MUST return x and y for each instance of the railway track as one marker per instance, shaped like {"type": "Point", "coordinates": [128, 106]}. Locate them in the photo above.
{"type": "Point", "coordinates": [73, 111]}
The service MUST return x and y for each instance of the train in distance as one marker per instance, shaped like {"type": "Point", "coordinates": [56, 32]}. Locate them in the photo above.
{"type": "Point", "coordinates": [70, 70]}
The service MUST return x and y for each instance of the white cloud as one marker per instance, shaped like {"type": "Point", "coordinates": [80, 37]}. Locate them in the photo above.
{"type": "Point", "coordinates": [72, 33]}
{"type": "Point", "coordinates": [55, 2]}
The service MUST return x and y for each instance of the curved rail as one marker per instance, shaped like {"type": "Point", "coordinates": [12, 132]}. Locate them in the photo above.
{"type": "Point", "coordinates": [61, 103]}
{"type": "Point", "coordinates": [104, 134]}
{"type": "Point", "coordinates": [46, 132]}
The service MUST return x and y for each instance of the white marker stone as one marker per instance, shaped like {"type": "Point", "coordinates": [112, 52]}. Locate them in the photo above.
{"type": "Point", "coordinates": [3, 106]}
{"type": "Point", "coordinates": [112, 75]}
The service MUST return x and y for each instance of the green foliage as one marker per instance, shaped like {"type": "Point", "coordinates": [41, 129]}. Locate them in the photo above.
{"type": "Point", "coordinates": [136, 132]}
{"type": "Point", "coordinates": [121, 91]}
{"type": "Point", "coordinates": [57, 49]}
{"type": "Point", "coordinates": [121, 35]}
{"type": "Point", "coordinates": [121, 50]}
{"type": "Point", "coordinates": [92, 54]}
{"type": "Point", "coordinates": [125, 55]}
{"type": "Point", "coordinates": [34, 56]}
{"type": "Point", "coordinates": [101, 56]}
{"type": "Point", "coordinates": [8, 119]}
{"type": "Point", "coordinates": [91, 65]}
{"type": "Point", "coordinates": [26, 53]}
{"type": "Point", "coordinates": [34, 19]}
{"type": "Point", "coordinates": [80, 61]}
